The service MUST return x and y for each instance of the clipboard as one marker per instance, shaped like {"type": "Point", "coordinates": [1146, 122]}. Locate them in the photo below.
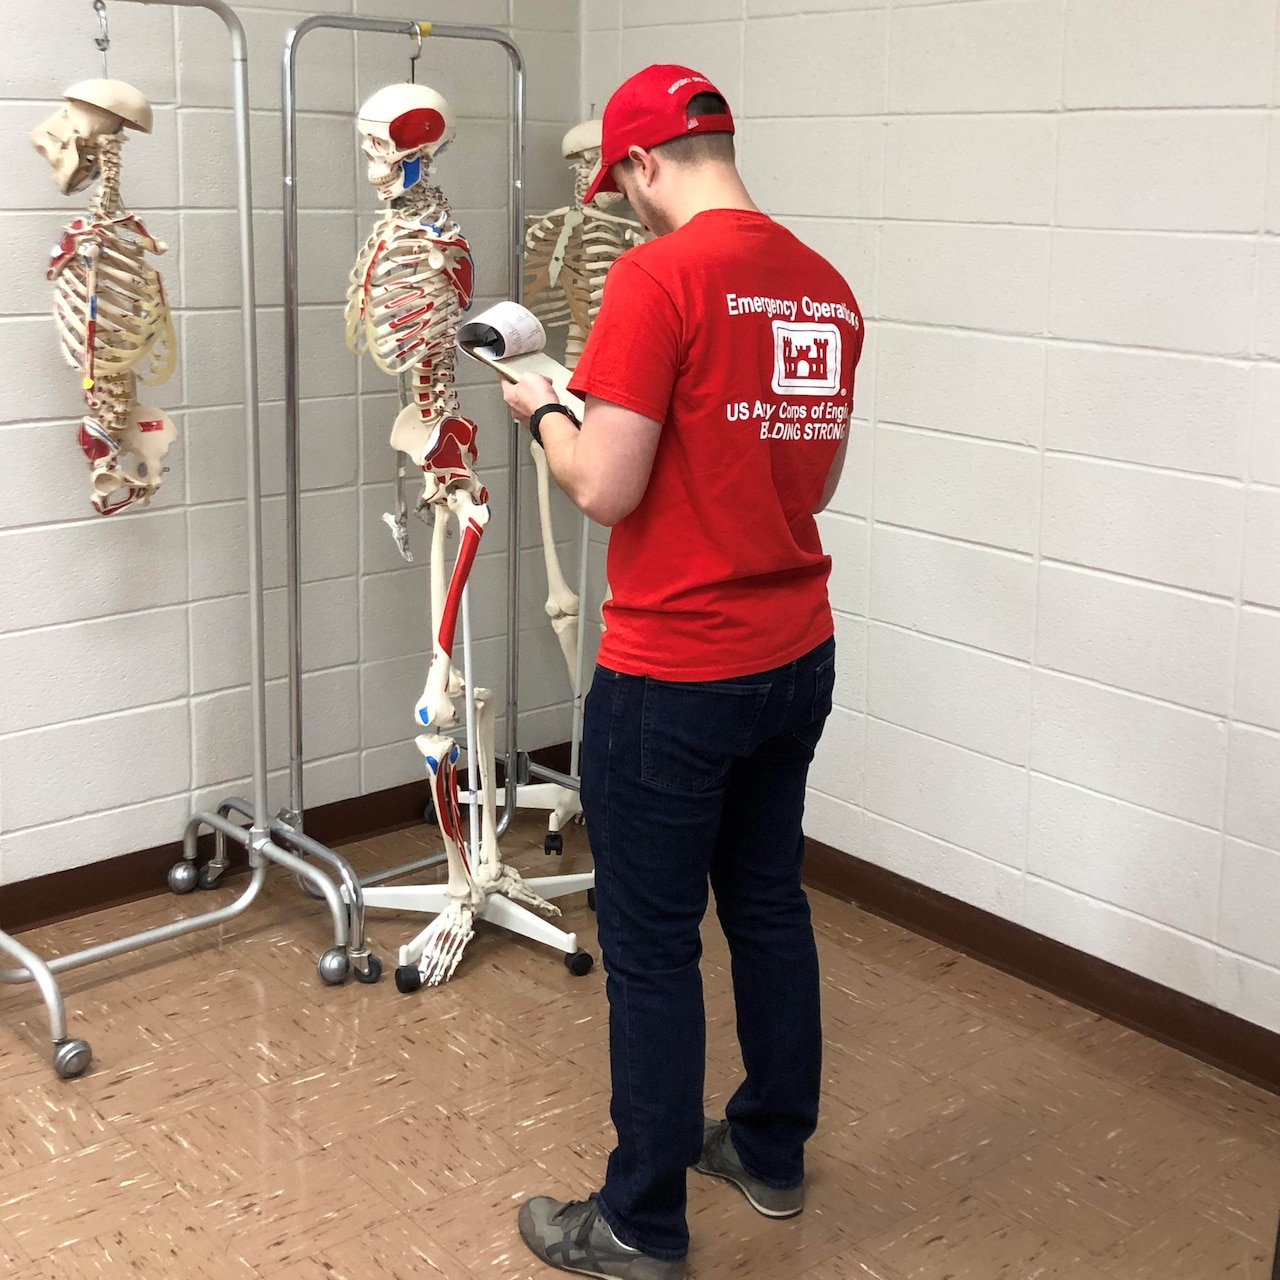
{"type": "Point", "coordinates": [509, 339]}
{"type": "Point", "coordinates": [473, 350]}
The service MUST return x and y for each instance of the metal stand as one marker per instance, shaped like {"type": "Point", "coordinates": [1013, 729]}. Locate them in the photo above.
{"type": "Point", "coordinates": [287, 827]}
{"type": "Point", "coordinates": [72, 1056]}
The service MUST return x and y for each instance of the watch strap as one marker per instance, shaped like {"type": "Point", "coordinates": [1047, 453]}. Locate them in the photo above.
{"type": "Point", "coordinates": [535, 418]}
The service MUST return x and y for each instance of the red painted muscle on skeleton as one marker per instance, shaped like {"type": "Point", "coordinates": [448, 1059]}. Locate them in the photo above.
{"type": "Point", "coordinates": [408, 288]}
{"type": "Point", "coordinates": [454, 452]}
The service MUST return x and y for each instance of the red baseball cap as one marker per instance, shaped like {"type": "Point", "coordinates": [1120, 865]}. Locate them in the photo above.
{"type": "Point", "coordinates": [650, 108]}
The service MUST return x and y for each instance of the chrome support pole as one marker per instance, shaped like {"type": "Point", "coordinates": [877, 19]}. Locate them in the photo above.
{"type": "Point", "coordinates": [41, 973]}
{"type": "Point", "coordinates": [436, 31]}
{"type": "Point", "coordinates": [515, 456]}
{"type": "Point", "coordinates": [249, 338]}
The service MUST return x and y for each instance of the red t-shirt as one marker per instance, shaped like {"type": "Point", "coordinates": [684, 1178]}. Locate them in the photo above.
{"type": "Point", "coordinates": [742, 342]}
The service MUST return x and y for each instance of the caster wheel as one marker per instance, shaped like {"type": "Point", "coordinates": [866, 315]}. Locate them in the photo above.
{"type": "Point", "coordinates": [553, 842]}
{"type": "Point", "coordinates": [591, 899]}
{"type": "Point", "coordinates": [371, 972]}
{"type": "Point", "coordinates": [579, 963]}
{"type": "Point", "coordinates": [183, 877]}
{"type": "Point", "coordinates": [210, 876]}
{"type": "Point", "coordinates": [333, 966]}
{"type": "Point", "coordinates": [408, 978]}
{"type": "Point", "coordinates": [71, 1058]}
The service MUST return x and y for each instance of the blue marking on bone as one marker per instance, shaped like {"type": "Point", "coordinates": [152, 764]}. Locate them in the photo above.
{"type": "Point", "coordinates": [412, 172]}
{"type": "Point", "coordinates": [101, 434]}
{"type": "Point", "coordinates": [433, 764]}
{"type": "Point", "coordinates": [453, 755]}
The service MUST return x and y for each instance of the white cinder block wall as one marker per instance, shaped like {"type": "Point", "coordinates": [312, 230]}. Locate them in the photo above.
{"type": "Point", "coordinates": [1057, 543]}
{"type": "Point", "coordinates": [123, 642]}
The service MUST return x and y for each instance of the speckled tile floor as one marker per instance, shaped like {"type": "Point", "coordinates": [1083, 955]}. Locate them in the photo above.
{"type": "Point", "coordinates": [243, 1122]}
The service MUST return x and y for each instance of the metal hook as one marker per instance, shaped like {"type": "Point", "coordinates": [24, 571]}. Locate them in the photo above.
{"type": "Point", "coordinates": [413, 57]}
{"type": "Point", "coordinates": [102, 42]}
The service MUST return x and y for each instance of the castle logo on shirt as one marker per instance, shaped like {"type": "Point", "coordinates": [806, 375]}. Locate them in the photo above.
{"type": "Point", "coordinates": [806, 359]}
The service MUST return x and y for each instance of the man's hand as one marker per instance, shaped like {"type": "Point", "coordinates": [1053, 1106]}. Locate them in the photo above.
{"type": "Point", "coordinates": [530, 393]}
{"type": "Point", "coordinates": [604, 467]}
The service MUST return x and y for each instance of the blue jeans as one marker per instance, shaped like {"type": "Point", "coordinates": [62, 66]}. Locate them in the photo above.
{"type": "Point", "coordinates": [684, 783]}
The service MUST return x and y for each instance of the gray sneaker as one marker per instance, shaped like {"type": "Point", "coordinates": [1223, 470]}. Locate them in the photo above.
{"type": "Point", "coordinates": [720, 1160]}
{"type": "Point", "coordinates": [574, 1237]}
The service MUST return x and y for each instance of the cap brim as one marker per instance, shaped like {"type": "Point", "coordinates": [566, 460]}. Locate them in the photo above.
{"type": "Point", "coordinates": [603, 181]}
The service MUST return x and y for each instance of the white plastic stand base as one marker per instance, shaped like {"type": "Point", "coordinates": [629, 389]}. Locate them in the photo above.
{"type": "Point", "coordinates": [564, 803]}
{"type": "Point", "coordinates": [498, 910]}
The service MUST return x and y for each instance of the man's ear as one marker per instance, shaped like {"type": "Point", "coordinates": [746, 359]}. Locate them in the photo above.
{"type": "Point", "coordinates": [645, 164]}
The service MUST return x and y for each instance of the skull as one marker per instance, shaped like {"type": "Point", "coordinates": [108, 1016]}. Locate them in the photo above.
{"type": "Point", "coordinates": [403, 128]}
{"type": "Point", "coordinates": [68, 139]}
{"type": "Point", "coordinates": [581, 146]}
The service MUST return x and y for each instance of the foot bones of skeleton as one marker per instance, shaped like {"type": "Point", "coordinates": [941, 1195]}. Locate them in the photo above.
{"type": "Point", "coordinates": [113, 320]}
{"type": "Point", "coordinates": [409, 286]}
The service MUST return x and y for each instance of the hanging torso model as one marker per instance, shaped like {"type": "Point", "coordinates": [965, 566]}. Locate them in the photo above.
{"type": "Point", "coordinates": [408, 289]}
{"type": "Point", "coordinates": [113, 319]}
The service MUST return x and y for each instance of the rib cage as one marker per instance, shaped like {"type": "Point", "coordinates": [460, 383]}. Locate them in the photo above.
{"type": "Point", "coordinates": [403, 304]}
{"type": "Point", "coordinates": [569, 253]}
{"type": "Point", "coordinates": [133, 328]}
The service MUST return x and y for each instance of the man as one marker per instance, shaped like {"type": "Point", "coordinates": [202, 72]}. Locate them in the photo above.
{"type": "Point", "coordinates": [718, 381]}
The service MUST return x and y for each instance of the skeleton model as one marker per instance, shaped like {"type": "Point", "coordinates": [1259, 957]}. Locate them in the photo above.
{"type": "Point", "coordinates": [570, 250]}
{"type": "Point", "coordinates": [410, 284]}
{"type": "Point", "coordinates": [109, 304]}
{"type": "Point", "coordinates": [568, 253]}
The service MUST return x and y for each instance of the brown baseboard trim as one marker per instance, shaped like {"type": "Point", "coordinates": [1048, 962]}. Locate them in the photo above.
{"type": "Point", "coordinates": [62, 895]}
{"type": "Point", "coordinates": [1212, 1035]}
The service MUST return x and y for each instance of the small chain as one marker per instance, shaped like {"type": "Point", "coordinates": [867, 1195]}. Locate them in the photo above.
{"type": "Point", "coordinates": [102, 42]}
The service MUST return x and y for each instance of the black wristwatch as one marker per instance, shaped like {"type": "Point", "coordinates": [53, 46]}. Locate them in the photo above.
{"type": "Point", "coordinates": [554, 407]}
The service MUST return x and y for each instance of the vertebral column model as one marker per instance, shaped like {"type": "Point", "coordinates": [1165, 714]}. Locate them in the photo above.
{"type": "Point", "coordinates": [569, 252]}
{"type": "Point", "coordinates": [110, 308]}
{"type": "Point", "coordinates": [409, 286]}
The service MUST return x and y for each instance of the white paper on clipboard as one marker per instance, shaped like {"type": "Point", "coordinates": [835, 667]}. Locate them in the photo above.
{"type": "Point", "coordinates": [509, 338]}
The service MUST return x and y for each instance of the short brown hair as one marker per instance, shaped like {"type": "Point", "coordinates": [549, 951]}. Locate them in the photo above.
{"type": "Point", "coordinates": [698, 148]}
